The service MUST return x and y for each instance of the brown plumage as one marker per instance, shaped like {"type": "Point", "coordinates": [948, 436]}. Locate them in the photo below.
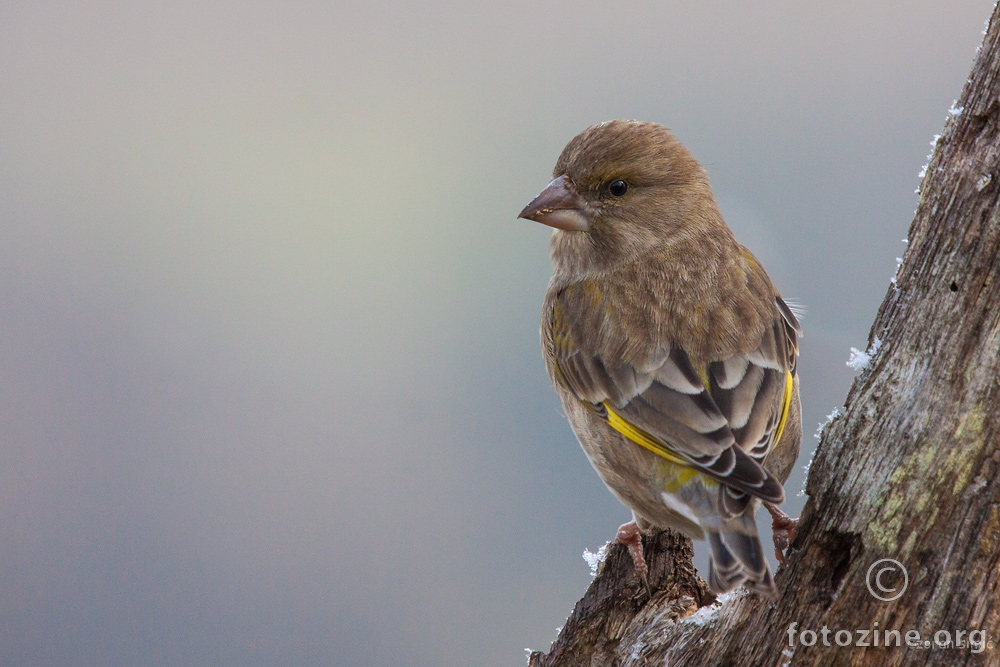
{"type": "Point", "coordinates": [671, 351]}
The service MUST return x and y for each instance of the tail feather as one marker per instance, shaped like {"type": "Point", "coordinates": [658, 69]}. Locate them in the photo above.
{"type": "Point", "coordinates": [724, 571]}
{"type": "Point", "coordinates": [737, 557]}
{"type": "Point", "coordinates": [732, 502]}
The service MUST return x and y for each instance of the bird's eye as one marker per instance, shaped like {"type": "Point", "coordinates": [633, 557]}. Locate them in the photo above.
{"type": "Point", "coordinates": [618, 188]}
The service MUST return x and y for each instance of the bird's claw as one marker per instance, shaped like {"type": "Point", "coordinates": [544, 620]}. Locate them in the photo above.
{"type": "Point", "coordinates": [783, 529]}
{"type": "Point", "coordinates": [630, 535]}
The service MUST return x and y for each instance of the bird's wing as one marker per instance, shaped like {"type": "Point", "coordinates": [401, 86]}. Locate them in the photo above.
{"type": "Point", "coordinates": [754, 391]}
{"type": "Point", "coordinates": [721, 419]}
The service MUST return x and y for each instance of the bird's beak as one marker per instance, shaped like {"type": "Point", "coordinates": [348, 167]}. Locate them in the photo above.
{"type": "Point", "coordinates": [559, 206]}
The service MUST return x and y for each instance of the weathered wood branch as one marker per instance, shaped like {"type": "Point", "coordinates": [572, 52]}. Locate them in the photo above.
{"type": "Point", "coordinates": [617, 604]}
{"type": "Point", "coordinates": [908, 472]}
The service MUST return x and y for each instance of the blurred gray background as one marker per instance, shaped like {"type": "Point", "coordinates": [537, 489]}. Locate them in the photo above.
{"type": "Point", "coordinates": [270, 387]}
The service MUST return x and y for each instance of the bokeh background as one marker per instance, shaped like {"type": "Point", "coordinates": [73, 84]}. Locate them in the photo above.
{"type": "Point", "coordinates": [270, 387]}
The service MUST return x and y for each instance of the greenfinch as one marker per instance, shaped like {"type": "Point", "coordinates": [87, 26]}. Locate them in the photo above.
{"type": "Point", "coordinates": [671, 351]}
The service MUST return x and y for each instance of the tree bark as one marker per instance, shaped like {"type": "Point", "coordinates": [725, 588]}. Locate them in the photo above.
{"type": "Point", "coordinates": [908, 471]}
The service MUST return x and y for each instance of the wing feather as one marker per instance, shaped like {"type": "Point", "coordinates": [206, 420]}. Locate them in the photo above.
{"type": "Point", "coordinates": [721, 420]}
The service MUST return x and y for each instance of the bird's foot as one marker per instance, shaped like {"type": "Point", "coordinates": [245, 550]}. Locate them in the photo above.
{"type": "Point", "coordinates": [783, 527]}
{"type": "Point", "coordinates": [630, 535]}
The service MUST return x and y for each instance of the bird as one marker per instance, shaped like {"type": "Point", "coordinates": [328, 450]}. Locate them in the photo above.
{"type": "Point", "coordinates": [670, 349]}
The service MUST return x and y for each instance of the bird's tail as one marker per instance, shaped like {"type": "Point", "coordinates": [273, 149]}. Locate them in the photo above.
{"type": "Point", "coordinates": [738, 558]}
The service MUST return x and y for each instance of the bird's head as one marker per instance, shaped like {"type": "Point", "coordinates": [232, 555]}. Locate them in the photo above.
{"type": "Point", "coordinates": [620, 190]}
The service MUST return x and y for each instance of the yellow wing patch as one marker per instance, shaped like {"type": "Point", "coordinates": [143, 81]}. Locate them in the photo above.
{"type": "Point", "coordinates": [646, 441]}
{"type": "Point", "coordinates": [675, 471]}
{"type": "Point", "coordinates": [786, 404]}
{"type": "Point", "coordinates": [640, 437]}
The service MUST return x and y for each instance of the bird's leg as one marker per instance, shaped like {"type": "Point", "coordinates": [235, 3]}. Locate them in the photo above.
{"type": "Point", "coordinates": [783, 527]}
{"type": "Point", "coordinates": [630, 535]}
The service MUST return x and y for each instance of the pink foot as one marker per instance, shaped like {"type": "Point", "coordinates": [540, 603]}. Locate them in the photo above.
{"type": "Point", "coordinates": [783, 527]}
{"type": "Point", "coordinates": [630, 535]}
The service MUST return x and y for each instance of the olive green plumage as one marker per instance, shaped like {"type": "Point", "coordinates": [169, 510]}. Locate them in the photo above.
{"type": "Point", "coordinates": [671, 351]}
